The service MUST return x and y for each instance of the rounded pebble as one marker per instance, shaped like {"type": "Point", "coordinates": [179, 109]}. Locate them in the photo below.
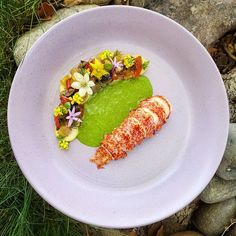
{"type": "Point", "coordinates": [212, 219]}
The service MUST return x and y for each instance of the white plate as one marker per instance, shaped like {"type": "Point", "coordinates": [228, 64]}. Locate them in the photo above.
{"type": "Point", "coordinates": [160, 176]}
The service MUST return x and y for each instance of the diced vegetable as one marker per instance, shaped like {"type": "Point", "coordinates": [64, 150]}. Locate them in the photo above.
{"type": "Point", "coordinates": [108, 66]}
{"type": "Point", "coordinates": [64, 99]}
{"type": "Point", "coordinates": [72, 135]}
{"type": "Point", "coordinates": [68, 83]}
{"type": "Point", "coordinates": [88, 66]}
{"type": "Point", "coordinates": [67, 105]}
{"type": "Point", "coordinates": [138, 66]}
{"type": "Point", "coordinates": [57, 122]}
{"type": "Point", "coordinates": [64, 131]}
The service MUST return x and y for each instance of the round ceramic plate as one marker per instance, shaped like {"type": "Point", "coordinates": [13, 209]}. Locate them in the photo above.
{"type": "Point", "coordinates": [161, 175]}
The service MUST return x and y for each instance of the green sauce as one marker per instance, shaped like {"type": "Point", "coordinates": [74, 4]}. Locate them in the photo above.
{"type": "Point", "coordinates": [108, 108]}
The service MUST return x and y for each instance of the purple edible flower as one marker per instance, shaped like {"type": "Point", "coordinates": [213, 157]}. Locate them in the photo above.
{"type": "Point", "coordinates": [72, 116]}
{"type": "Point", "coordinates": [116, 64]}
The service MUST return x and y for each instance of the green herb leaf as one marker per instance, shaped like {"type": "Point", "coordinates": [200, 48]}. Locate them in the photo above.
{"type": "Point", "coordinates": [146, 64]}
{"type": "Point", "coordinates": [83, 71]}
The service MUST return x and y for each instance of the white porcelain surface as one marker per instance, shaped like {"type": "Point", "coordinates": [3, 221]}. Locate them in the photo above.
{"type": "Point", "coordinates": [160, 176]}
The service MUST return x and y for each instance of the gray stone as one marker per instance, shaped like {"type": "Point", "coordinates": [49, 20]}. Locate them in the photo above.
{"type": "Point", "coordinates": [187, 233]}
{"type": "Point", "coordinates": [218, 190]}
{"type": "Point", "coordinates": [207, 20]}
{"type": "Point", "coordinates": [137, 3]}
{"type": "Point", "coordinates": [112, 232]}
{"type": "Point", "coordinates": [121, 2]}
{"type": "Point", "coordinates": [227, 168]}
{"type": "Point", "coordinates": [212, 219]}
{"type": "Point", "coordinates": [153, 229]}
{"type": "Point", "coordinates": [24, 43]}
{"type": "Point", "coordinates": [230, 85]}
{"type": "Point", "coordinates": [77, 2]}
{"type": "Point", "coordinates": [180, 220]}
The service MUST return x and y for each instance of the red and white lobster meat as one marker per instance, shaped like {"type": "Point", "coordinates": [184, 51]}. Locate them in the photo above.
{"type": "Point", "coordinates": [141, 123]}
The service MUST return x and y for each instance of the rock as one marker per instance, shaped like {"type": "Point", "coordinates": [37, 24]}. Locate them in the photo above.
{"type": "Point", "coordinates": [227, 168]}
{"type": "Point", "coordinates": [70, 3]}
{"type": "Point", "coordinates": [218, 190]}
{"type": "Point", "coordinates": [230, 85]}
{"type": "Point", "coordinates": [141, 231]}
{"type": "Point", "coordinates": [212, 219]}
{"type": "Point", "coordinates": [121, 2]}
{"type": "Point", "coordinates": [153, 229]}
{"type": "Point", "coordinates": [232, 109]}
{"type": "Point", "coordinates": [137, 3]}
{"type": "Point", "coordinates": [112, 232]}
{"type": "Point", "coordinates": [187, 233]}
{"type": "Point", "coordinates": [207, 20]}
{"type": "Point", "coordinates": [232, 231]}
{"type": "Point", "coordinates": [24, 43]}
{"type": "Point", "coordinates": [180, 220]}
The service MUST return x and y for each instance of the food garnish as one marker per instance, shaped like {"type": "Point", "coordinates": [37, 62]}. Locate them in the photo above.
{"type": "Point", "coordinates": [84, 81]}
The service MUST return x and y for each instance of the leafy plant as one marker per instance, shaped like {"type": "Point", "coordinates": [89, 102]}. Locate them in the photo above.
{"type": "Point", "coordinates": [22, 211]}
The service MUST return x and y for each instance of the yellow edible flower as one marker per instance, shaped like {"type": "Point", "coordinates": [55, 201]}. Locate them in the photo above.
{"type": "Point", "coordinates": [60, 110]}
{"type": "Point", "coordinates": [62, 144]}
{"type": "Point", "coordinates": [106, 54]}
{"type": "Point", "coordinates": [65, 78]}
{"type": "Point", "coordinates": [128, 61]}
{"type": "Point", "coordinates": [76, 99]}
{"type": "Point", "coordinates": [98, 69]}
{"type": "Point", "coordinates": [63, 82]}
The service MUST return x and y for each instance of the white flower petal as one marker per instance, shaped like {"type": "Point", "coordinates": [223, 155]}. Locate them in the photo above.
{"type": "Point", "coordinates": [76, 85]}
{"type": "Point", "coordinates": [86, 77]}
{"type": "Point", "coordinates": [91, 83]}
{"type": "Point", "coordinates": [82, 91]}
{"type": "Point", "coordinates": [89, 90]}
{"type": "Point", "coordinates": [78, 76]}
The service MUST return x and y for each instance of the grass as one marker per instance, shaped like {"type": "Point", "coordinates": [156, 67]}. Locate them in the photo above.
{"type": "Point", "coordinates": [22, 211]}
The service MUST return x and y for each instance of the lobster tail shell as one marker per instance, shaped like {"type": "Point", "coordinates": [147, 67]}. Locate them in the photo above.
{"type": "Point", "coordinates": [143, 122]}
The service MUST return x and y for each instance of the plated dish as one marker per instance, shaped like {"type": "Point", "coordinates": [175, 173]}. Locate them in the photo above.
{"type": "Point", "coordinates": [112, 75]}
{"type": "Point", "coordinates": [178, 161]}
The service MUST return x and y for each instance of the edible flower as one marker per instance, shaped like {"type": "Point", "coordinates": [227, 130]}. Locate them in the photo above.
{"type": "Point", "coordinates": [128, 61]}
{"type": "Point", "coordinates": [60, 110]}
{"type": "Point", "coordinates": [98, 69]}
{"type": "Point", "coordinates": [116, 64]}
{"type": "Point", "coordinates": [106, 54]}
{"type": "Point", "coordinates": [73, 116]}
{"type": "Point", "coordinates": [65, 78]}
{"type": "Point", "coordinates": [62, 144]}
{"type": "Point", "coordinates": [83, 84]}
{"type": "Point", "coordinates": [76, 99]}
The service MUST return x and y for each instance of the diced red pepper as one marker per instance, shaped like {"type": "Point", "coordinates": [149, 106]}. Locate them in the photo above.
{"type": "Point", "coordinates": [57, 122]}
{"type": "Point", "coordinates": [114, 77]}
{"type": "Point", "coordinates": [64, 99]}
{"type": "Point", "coordinates": [88, 66]}
{"type": "Point", "coordinates": [68, 83]}
{"type": "Point", "coordinates": [138, 66]}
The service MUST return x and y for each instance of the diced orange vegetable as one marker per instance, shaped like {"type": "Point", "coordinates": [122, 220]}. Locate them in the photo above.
{"type": "Point", "coordinates": [138, 66]}
{"type": "Point", "coordinates": [64, 99]}
{"type": "Point", "coordinates": [57, 122]}
{"type": "Point", "coordinates": [68, 83]}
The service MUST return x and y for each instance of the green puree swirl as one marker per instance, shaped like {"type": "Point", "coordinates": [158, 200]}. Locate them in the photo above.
{"type": "Point", "coordinates": [108, 108]}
